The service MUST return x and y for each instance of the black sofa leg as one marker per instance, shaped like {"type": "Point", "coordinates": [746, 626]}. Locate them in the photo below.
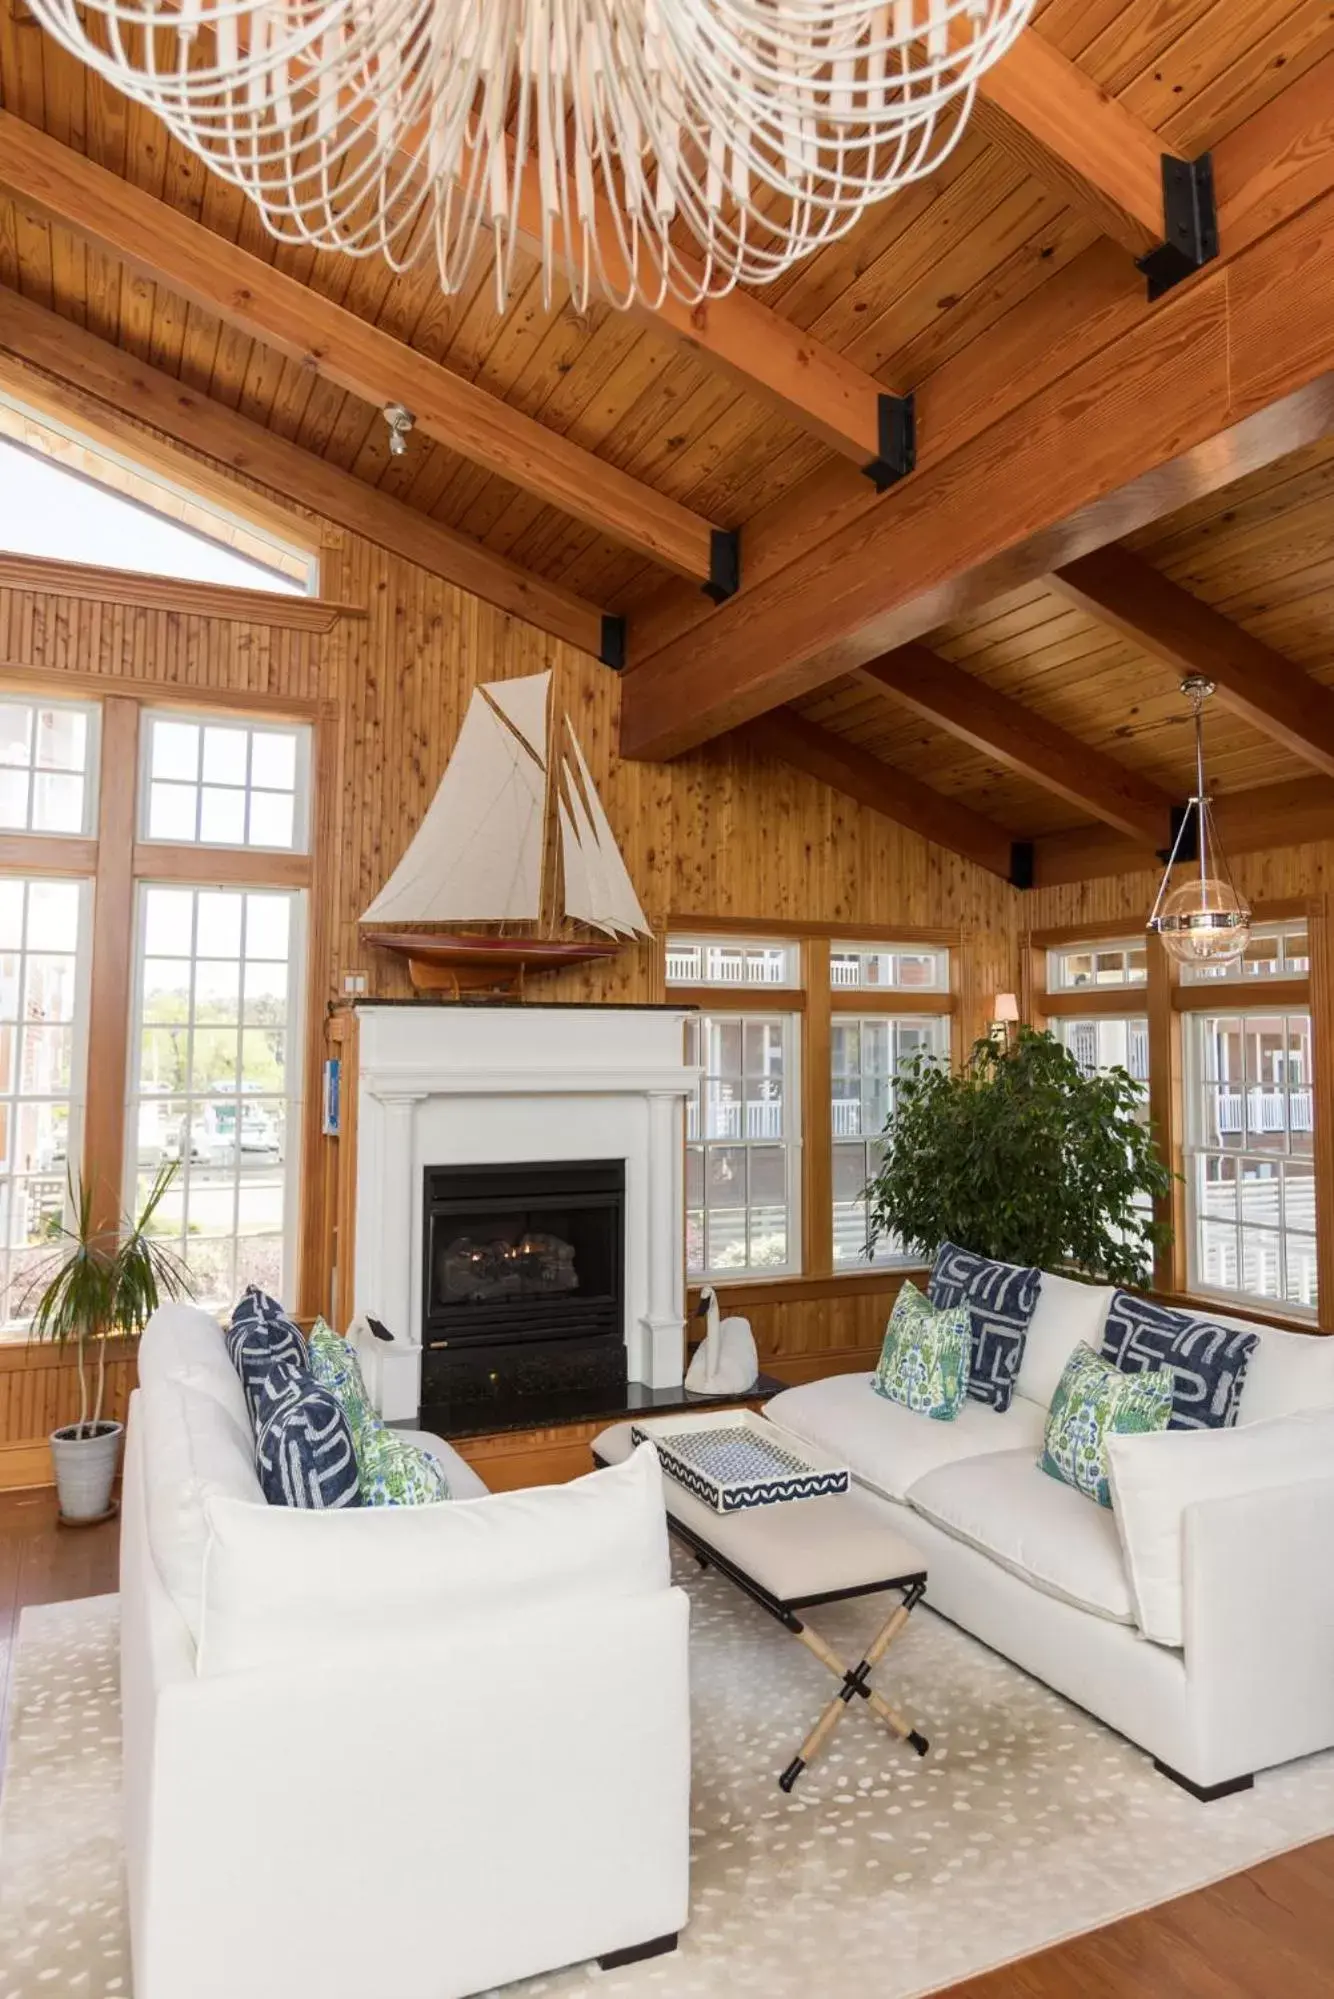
{"type": "Point", "coordinates": [1206, 1793]}
{"type": "Point", "coordinates": [637, 1952]}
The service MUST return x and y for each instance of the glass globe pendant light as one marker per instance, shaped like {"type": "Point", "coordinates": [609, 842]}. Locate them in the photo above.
{"type": "Point", "coordinates": [1203, 921]}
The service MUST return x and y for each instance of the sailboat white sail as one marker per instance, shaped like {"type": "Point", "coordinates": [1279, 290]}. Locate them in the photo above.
{"type": "Point", "coordinates": [479, 854]}
{"type": "Point", "coordinates": [617, 905]}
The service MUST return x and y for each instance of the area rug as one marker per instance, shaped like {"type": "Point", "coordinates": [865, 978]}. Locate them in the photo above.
{"type": "Point", "coordinates": [882, 1877]}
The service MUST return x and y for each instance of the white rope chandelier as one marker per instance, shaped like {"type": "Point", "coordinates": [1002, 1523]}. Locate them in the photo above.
{"type": "Point", "coordinates": [639, 146]}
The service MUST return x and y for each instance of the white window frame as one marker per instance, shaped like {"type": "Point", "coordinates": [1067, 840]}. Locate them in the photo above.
{"type": "Point", "coordinates": [791, 1143]}
{"type": "Point", "coordinates": [1197, 1149]}
{"type": "Point", "coordinates": [294, 1095]}
{"type": "Point", "coordinates": [204, 718]}
{"type": "Point", "coordinates": [1059, 985]}
{"type": "Point", "coordinates": [843, 947]}
{"type": "Point", "coordinates": [884, 1258]}
{"type": "Point", "coordinates": [790, 948]}
{"type": "Point", "coordinates": [11, 1329]}
{"type": "Point", "coordinates": [1245, 972]}
{"type": "Point", "coordinates": [92, 772]}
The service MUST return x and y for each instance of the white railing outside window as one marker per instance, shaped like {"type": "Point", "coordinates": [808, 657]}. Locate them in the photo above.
{"type": "Point", "coordinates": [743, 1153]}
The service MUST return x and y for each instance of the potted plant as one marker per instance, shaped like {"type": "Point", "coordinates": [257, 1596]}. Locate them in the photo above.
{"type": "Point", "coordinates": [98, 1285]}
{"type": "Point", "coordinates": [1022, 1156]}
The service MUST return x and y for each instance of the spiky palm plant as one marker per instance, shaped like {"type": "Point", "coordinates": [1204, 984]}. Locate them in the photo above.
{"type": "Point", "coordinates": [103, 1282]}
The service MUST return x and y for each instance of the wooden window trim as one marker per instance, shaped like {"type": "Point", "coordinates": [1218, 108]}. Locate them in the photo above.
{"type": "Point", "coordinates": [77, 684]}
{"type": "Point", "coordinates": [759, 928]}
{"type": "Point", "coordinates": [739, 999]}
{"type": "Point", "coordinates": [169, 593]}
{"type": "Point", "coordinates": [1240, 996]}
{"type": "Point", "coordinates": [890, 1001]}
{"type": "Point", "coordinates": [1095, 1000]}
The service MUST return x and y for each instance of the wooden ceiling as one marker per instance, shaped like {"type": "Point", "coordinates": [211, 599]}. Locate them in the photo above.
{"type": "Point", "coordinates": [980, 271]}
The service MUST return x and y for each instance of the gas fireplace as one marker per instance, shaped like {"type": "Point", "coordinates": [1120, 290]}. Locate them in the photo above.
{"type": "Point", "coordinates": [522, 1288]}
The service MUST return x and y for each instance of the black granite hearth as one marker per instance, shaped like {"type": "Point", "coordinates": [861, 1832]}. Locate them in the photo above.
{"type": "Point", "coordinates": [557, 1411]}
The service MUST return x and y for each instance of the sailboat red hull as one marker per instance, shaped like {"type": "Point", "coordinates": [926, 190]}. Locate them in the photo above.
{"type": "Point", "coordinates": [457, 963]}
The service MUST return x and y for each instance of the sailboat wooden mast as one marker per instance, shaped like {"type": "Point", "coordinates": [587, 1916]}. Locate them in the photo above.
{"type": "Point", "coordinates": [516, 837]}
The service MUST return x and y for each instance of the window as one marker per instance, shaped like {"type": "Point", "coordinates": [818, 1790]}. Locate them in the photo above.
{"type": "Point", "coordinates": [65, 496]}
{"type": "Point", "coordinates": [719, 961]}
{"type": "Point", "coordinates": [224, 784]}
{"type": "Point", "coordinates": [1098, 1041]}
{"type": "Point", "coordinates": [47, 757]}
{"type": "Point", "coordinates": [1250, 1142]}
{"type": "Point", "coordinates": [1278, 951]}
{"type": "Point", "coordinates": [865, 1057]}
{"type": "Point", "coordinates": [877, 967]}
{"type": "Point", "coordinates": [742, 1152]}
{"type": "Point", "coordinates": [44, 957]}
{"type": "Point", "coordinates": [216, 1068]}
{"type": "Point", "coordinates": [1120, 964]}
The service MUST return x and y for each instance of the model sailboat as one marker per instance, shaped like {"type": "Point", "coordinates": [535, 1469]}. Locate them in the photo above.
{"type": "Point", "coordinates": [516, 837]}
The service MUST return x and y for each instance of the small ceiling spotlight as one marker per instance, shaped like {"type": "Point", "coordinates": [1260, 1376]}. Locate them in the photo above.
{"type": "Point", "coordinates": [400, 422]}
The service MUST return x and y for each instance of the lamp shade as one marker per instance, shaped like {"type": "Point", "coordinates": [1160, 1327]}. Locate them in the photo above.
{"type": "Point", "coordinates": [1005, 1007]}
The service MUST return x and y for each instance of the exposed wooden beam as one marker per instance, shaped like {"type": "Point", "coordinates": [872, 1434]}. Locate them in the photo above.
{"type": "Point", "coordinates": [263, 302]}
{"type": "Point", "coordinates": [1023, 741]}
{"type": "Point", "coordinates": [172, 593]}
{"type": "Point", "coordinates": [1068, 130]}
{"type": "Point", "coordinates": [1272, 693]}
{"type": "Point", "coordinates": [1268, 815]}
{"type": "Point", "coordinates": [1265, 171]}
{"type": "Point", "coordinates": [892, 793]}
{"type": "Point", "coordinates": [61, 369]}
{"type": "Point", "coordinates": [1232, 370]}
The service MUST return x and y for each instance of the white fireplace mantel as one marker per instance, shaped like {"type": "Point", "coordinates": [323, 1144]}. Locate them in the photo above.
{"type": "Point", "coordinates": [487, 1086]}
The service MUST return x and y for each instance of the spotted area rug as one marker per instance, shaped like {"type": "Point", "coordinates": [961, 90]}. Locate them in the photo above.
{"type": "Point", "coordinates": [882, 1877]}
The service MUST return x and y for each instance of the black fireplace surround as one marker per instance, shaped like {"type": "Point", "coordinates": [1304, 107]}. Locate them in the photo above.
{"type": "Point", "coordinates": [523, 1291]}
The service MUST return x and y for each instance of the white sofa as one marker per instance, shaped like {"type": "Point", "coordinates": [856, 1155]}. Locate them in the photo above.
{"type": "Point", "coordinates": [1042, 1574]}
{"type": "Point", "coordinates": [387, 1753]}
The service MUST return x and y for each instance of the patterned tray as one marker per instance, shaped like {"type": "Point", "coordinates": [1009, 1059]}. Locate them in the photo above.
{"type": "Point", "coordinates": [732, 1459]}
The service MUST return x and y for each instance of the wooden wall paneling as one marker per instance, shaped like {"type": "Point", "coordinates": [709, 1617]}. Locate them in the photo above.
{"type": "Point", "coordinates": [112, 974]}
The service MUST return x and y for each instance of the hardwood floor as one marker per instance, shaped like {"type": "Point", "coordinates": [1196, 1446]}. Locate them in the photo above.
{"type": "Point", "coordinates": [1265, 1934]}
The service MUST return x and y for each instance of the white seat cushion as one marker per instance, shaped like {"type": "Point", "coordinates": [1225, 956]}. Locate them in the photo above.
{"type": "Point", "coordinates": [1288, 1372]}
{"type": "Point", "coordinates": [285, 1584]}
{"type": "Point", "coordinates": [1156, 1478]}
{"type": "Point", "coordinates": [1033, 1525]}
{"type": "Point", "coordinates": [195, 1450]}
{"type": "Point", "coordinates": [888, 1447]}
{"type": "Point", "coordinates": [1066, 1313]}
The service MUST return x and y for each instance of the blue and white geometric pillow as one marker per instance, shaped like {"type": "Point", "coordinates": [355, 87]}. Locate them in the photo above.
{"type": "Point", "coordinates": [257, 1346]}
{"type": "Point", "coordinates": [1208, 1362]}
{"type": "Point", "coordinates": [303, 1451]}
{"type": "Point", "coordinates": [1001, 1298]}
{"type": "Point", "coordinates": [255, 1303]}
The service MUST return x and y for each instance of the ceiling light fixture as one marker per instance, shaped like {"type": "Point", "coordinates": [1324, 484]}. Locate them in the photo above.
{"type": "Point", "coordinates": [400, 422]}
{"type": "Point", "coordinates": [640, 147]}
{"type": "Point", "coordinates": [1204, 921]}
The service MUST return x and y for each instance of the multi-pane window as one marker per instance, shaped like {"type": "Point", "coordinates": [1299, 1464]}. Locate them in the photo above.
{"type": "Point", "coordinates": [892, 968]}
{"type": "Point", "coordinates": [47, 760]}
{"type": "Point", "coordinates": [1250, 1139]}
{"type": "Point", "coordinates": [44, 956]}
{"type": "Point", "coordinates": [216, 1077]}
{"type": "Point", "coordinates": [866, 1055]}
{"type": "Point", "coordinates": [722, 961]}
{"type": "Point", "coordinates": [742, 1151]}
{"type": "Point", "coordinates": [1277, 951]}
{"type": "Point", "coordinates": [224, 784]}
{"type": "Point", "coordinates": [1078, 967]}
{"type": "Point", "coordinates": [1099, 1041]}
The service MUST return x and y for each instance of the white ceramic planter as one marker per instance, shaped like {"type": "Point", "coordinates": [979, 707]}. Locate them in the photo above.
{"type": "Point", "coordinates": [86, 1469]}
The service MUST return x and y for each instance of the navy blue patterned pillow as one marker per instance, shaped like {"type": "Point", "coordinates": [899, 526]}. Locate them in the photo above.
{"type": "Point", "coordinates": [303, 1450]}
{"type": "Point", "coordinates": [257, 1346]}
{"type": "Point", "coordinates": [255, 1303]}
{"type": "Point", "coordinates": [1001, 1299]}
{"type": "Point", "coordinates": [1208, 1361]}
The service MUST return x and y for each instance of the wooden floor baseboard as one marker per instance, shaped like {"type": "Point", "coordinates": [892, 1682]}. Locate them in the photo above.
{"type": "Point", "coordinates": [25, 1464]}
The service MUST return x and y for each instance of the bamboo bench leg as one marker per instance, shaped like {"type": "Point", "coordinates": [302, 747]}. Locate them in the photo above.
{"type": "Point", "coordinates": [856, 1680]}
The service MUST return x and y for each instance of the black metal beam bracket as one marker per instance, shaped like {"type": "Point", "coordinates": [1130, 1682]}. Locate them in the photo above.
{"type": "Point", "coordinates": [612, 652]}
{"type": "Point", "coordinates": [896, 443]}
{"type": "Point", "coordinates": [1190, 224]}
{"type": "Point", "coordinates": [1021, 864]}
{"type": "Point", "coordinates": [724, 565]}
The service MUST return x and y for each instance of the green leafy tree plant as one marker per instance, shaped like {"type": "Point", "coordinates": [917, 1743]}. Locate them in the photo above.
{"type": "Point", "coordinates": [100, 1284]}
{"type": "Point", "coordinates": [1022, 1156]}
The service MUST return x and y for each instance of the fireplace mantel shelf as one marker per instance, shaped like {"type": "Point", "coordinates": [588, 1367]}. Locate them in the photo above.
{"type": "Point", "coordinates": [541, 1079]}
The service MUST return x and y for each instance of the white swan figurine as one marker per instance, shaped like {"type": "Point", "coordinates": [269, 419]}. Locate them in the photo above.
{"type": "Point", "coordinates": [725, 1362]}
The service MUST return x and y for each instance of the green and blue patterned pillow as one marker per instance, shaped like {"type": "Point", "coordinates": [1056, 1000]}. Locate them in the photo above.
{"type": "Point", "coordinates": [391, 1469]}
{"type": "Point", "coordinates": [333, 1362]}
{"type": "Point", "coordinates": [925, 1358]}
{"type": "Point", "coordinates": [1093, 1401]}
